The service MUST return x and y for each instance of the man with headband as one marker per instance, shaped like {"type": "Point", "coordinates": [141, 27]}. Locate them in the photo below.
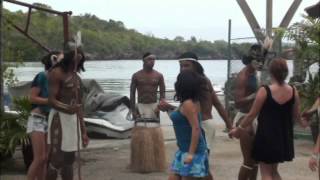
{"type": "Point", "coordinates": [66, 128]}
{"type": "Point", "coordinates": [147, 144]}
{"type": "Point", "coordinates": [146, 82]}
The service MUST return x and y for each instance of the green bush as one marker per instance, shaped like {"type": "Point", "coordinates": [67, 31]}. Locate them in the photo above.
{"type": "Point", "coordinates": [13, 127]}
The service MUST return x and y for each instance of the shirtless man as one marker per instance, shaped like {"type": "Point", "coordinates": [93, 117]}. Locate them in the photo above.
{"type": "Point", "coordinates": [189, 61]}
{"type": "Point", "coordinates": [146, 81]}
{"type": "Point", "coordinates": [147, 143]}
{"type": "Point", "coordinates": [245, 89]}
{"type": "Point", "coordinates": [66, 126]}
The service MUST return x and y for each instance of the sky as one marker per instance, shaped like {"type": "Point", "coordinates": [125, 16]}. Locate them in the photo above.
{"type": "Point", "coordinates": [203, 19]}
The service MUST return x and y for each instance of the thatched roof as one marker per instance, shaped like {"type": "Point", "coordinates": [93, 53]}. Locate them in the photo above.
{"type": "Point", "coordinates": [314, 10]}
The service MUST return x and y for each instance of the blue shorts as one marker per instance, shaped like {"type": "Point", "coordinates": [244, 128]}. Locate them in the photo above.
{"type": "Point", "coordinates": [199, 167]}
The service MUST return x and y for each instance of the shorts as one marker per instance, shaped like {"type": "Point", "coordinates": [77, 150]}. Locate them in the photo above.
{"type": "Point", "coordinates": [199, 167]}
{"type": "Point", "coordinates": [37, 123]}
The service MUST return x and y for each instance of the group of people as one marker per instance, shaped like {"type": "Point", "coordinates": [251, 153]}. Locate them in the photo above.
{"type": "Point", "coordinates": [194, 132]}
{"type": "Point", "coordinates": [56, 125]}
{"type": "Point", "coordinates": [264, 122]}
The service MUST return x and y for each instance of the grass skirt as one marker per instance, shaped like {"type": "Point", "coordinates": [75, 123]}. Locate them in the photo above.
{"type": "Point", "coordinates": [147, 150]}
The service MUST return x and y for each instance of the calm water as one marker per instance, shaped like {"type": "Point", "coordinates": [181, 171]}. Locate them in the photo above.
{"type": "Point", "coordinates": [115, 76]}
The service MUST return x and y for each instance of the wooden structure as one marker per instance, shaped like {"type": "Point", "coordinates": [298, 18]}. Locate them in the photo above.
{"type": "Point", "coordinates": [25, 32]}
{"type": "Point", "coordinates": [255, 27]}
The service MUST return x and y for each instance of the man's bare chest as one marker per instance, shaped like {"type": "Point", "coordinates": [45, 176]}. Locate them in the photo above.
{"type": "Point", "coordinates": [147, 81]}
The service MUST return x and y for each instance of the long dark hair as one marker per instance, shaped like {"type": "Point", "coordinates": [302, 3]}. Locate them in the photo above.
{"type": "Point", "coordinates": [66, 62]}
{"type": "Point", "coordinates": [198, 68]}
{"type": "Point", "coordinates": [188, 86]}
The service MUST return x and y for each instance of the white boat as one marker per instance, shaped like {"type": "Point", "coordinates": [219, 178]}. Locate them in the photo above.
{"type": "Point", "coordinates": [106, 114]}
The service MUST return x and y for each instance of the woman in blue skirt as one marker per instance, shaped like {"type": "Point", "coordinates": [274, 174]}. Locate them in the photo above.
{"type": "Point", "coordinates": [191, 159]}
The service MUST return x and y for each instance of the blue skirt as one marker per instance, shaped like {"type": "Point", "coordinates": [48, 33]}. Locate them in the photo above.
{"type": "Point", "coordinates": [199, 167]}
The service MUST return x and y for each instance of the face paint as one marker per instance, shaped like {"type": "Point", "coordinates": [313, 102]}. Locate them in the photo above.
{"type": "Point", "coordinates": [257, 64]}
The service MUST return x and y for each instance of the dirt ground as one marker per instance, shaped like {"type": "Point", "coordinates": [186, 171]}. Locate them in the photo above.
{"type": "Point", "coordinates": [107, 159]}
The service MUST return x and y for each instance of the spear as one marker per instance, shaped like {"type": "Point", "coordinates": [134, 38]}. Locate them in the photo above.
{"type": "Point", "coordinates": [77, 43]}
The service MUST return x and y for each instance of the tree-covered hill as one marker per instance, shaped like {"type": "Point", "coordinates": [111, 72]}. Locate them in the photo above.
{"type": "Point", "coordinates": [103, 39]}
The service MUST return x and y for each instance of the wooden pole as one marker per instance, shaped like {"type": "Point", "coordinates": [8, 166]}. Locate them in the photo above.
{"type": "Point", "coordinates": [256, 29]}
{"type": "Point", "coordinates": [285, 23]}
{"type": "Point", "coordinates": [269, 19]}
{"type": "Point", "coordinates": [1, 62]}
{"type": "Point", "coordinates": [227, 102]}
{"type": "Point", "coordinates": [229, 49]}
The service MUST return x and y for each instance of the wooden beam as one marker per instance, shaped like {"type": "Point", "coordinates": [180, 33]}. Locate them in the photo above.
{"type": "Point", "coordinates": [28, 20]}
{"type": "Point", "coordinates": [36, 7]}
{"type": "Point", "coordinates": [289, 15]}
{"type": "Point", "coordinates": [269, 18]}
{"type": "Point", "coordinates": [27, 35]}
{"type": "Point", "coordinates": [1, 63]}
{"type": "Point", "coordinates": [285, 23]}
{"type": "Point", "coordinates": [255, 27]}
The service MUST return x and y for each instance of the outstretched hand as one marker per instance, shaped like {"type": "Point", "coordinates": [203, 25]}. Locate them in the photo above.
{"type": "Point", "coordinates": [235, 133]}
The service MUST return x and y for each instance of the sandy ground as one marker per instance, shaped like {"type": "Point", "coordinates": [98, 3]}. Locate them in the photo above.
{"type": "Point", "coordinates": [107, 159]}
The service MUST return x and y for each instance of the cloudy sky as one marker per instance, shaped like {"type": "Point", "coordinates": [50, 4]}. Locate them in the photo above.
{"type": "Point", "coordinates": [204, 19]}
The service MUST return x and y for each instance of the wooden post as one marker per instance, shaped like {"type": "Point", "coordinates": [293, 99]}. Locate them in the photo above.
{"type": "Point", "coordinates": [269, 19]}
{"type": "Point", "coordinates": [229, 67]}
{"type": "Point", "coordinates": [229, 49]}
{"type": "Point", "coordinates": [251, 20]}
{"type": "Point", "coordinates": [289, 15]}
{"type": "Point", "coordinates": [285, 23]}
{"type": "Point", "coordinates": [1, 63]}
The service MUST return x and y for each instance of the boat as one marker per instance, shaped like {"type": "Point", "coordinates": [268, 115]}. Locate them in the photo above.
{"type": "Point", "coordinates": [105, 114]}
